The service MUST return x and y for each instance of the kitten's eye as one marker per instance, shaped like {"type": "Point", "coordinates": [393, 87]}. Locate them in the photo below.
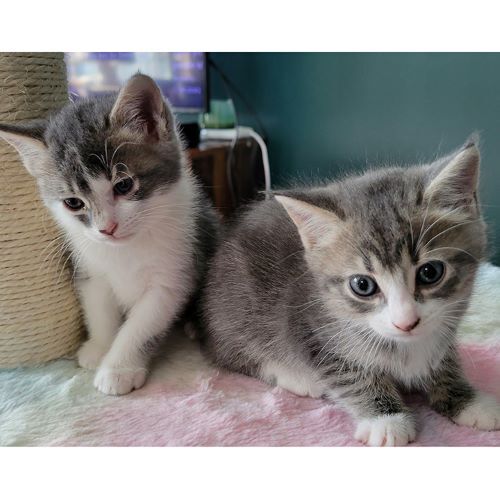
{"type": "Point", "coordinates": [430, 273]}
{"type": "Point", "coordinates": [123, 186]}
{"type": "Point", "coordinates": [74, 203]}
{"type": "Point", "coordinates": [364, 286]}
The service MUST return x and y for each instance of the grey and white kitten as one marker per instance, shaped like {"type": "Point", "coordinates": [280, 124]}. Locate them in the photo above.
{"type": "Point", "coordinates": [353, 292]}
{"type": "Point", "coordinates": [112, 172]}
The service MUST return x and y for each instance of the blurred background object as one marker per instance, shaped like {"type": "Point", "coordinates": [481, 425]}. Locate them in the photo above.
{"type": "Point", "coordinates": [221, 115]}
{"type": "Point", "coordinates": [182, 76]}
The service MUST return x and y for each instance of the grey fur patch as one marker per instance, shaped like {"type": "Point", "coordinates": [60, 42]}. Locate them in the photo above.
{"type": "Point", "coordinates": [449, 393]}
{"type": "Point", "coordinates": [34, 129]}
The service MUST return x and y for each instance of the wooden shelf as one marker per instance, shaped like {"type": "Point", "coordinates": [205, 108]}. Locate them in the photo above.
{"type": "Point", "coordinates": [229, 178]}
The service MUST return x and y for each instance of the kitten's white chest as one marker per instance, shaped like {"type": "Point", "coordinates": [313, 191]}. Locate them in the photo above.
{"type": "Point", "coordinates": [416, 362]}
{"type": "Point", "coordinates": [131, 271]}
{"type": "Point", "coordinates": [129, 281]}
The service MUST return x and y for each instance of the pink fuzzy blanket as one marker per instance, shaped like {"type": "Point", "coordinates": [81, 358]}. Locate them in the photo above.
{"type": "Point", "coordinates": [234, 410]}
{"type": "Point", "coordinates": [188, 403]}
{"type": "Point", "coordinates": [209, 408]}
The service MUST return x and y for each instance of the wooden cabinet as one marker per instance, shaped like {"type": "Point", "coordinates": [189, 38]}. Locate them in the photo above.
{"type": "Point", "coordinates": [230, 176]}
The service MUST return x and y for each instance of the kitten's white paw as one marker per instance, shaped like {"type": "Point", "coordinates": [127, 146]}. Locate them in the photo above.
{"type": "Point", "coordinates": [117, 381]}
{"type": "Point", "coordinates": [388, 430]}
{"type": "Point", "coordinates": [90, 354]}
{"type": "Point", "coordinates": [483, 413]}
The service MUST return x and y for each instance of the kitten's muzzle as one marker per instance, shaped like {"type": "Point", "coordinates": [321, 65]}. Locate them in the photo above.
{"type": "Point", "coordinates": [110, 229]}
{"type": "Point", "coordinates": [407, 326]}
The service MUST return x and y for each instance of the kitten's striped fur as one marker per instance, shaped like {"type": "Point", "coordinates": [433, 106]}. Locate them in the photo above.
{"type": "Point", "coordinates": [278, 305]}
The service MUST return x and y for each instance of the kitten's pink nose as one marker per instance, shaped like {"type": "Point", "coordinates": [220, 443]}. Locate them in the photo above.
{"type": "Point", "coordinates": [407, 326]}
{"type": "Point", "coordinates": [110, 229]}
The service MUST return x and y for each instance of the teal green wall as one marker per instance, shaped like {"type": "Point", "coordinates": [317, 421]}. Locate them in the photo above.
{"type": "Point", "coordinates": [327, 113]}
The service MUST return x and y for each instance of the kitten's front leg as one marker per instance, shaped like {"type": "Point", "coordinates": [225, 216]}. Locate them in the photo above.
{"type": "Point", "coordinates": [124, 367]}
{"type": "Point", "coordinates": [382, 417]}
{"type": "Point", "coordinates": [452, 396]}
{"type": "Point", "coordinates": [102, 317]}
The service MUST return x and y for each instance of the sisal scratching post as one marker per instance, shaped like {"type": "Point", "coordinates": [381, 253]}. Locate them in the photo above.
{"type": "Point", "coordinates": [40, 318]}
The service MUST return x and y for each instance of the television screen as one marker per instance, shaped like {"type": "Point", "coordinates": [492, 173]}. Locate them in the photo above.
{"type": "Point", "coordinates": [181, 76]}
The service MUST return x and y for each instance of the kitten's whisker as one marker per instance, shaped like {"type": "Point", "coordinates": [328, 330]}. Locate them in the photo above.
{"type": "Point", "coordinates": [59, 247]}
{"type": "Point", "coordinates": [326, 344]}
{"type": "Point", "coordinates": [98, 157]}
{"type": "Point", "coordinates": [451, 248]}
{"type": "Point", "coordinates": [288, 256]}
{"type": "Point", "coordinates": [106, 150]}
{"type": "Point", "coordinates": [56, 240]}
{"type": "Point", "coordinates": [59, 252]}
{"type": "Point", "coordinates": [447, 214]}
{"type": "Point", "coordinates": [327, 325]}
{"type": "Point", "coordinates": [338, 337]}
{"type": "Point", "coordinates": [448, 332]}
{"type": "Point", "coordinates": [62, 255]}
{"type": "Point", "coordinates": [369, 358]}
{"type": "Point", "coordinates": [423, 221]}
{"type": "Point", "coordinates": [63, 268]}
{"type": "Point", "coordinates": [125, 171]}
{"type": "Point", "coordinates": [182, 208]}
{"type": "Point", "coordinates": [118, 147]}
{"type": "Point", "coordinates": [379, 346]}
{"type": "Point", "coordinates": [448, 229]}
{"type": "Point", "coordinates": [306, 305]}
{"type": "Point", "coordinates": [79, 256]}
{"type": "Point", "coordinates": [43, 264]}
{"type": "Point", "coordinates": [364, 334]}
{"type": "Point", "coordinates": [355, 341]}
{"type": "Point", "coordinates": [118, 175]}
{"type": "Point", "coordinates": [442, 310]}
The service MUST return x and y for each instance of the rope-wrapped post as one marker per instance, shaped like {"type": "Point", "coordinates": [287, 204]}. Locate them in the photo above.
{"type": "Point", "coordinates": [40, 317]}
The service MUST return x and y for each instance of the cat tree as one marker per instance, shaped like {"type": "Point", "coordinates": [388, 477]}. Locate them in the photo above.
{"type": "Point", "coordinates": [40, 318]}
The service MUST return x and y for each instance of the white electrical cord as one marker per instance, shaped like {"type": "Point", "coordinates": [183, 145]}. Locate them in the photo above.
{"type": "Point", "coordinates": [230, 134]}
{"type": "Point", "coordinates": [265, 160]}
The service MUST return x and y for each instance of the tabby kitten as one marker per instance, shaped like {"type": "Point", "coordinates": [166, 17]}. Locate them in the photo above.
{"type": "Point", "coordinates": [112, 172]}
{"type": "Point", "coordinates": [353, 292]}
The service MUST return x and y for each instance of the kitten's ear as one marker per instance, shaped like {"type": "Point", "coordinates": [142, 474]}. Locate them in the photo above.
{"type": "Point", "coordinates": [140, 108]}
{"type": "Point", "coordinates": [454, 180]}
{"type": "Point", "coordinates": [316, 226]}
{"type": "Point", "coordinates": [28, 140]}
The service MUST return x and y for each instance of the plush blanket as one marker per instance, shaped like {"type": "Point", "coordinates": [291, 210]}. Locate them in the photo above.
{"type": "Point", "coordinates": [186, 402]}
